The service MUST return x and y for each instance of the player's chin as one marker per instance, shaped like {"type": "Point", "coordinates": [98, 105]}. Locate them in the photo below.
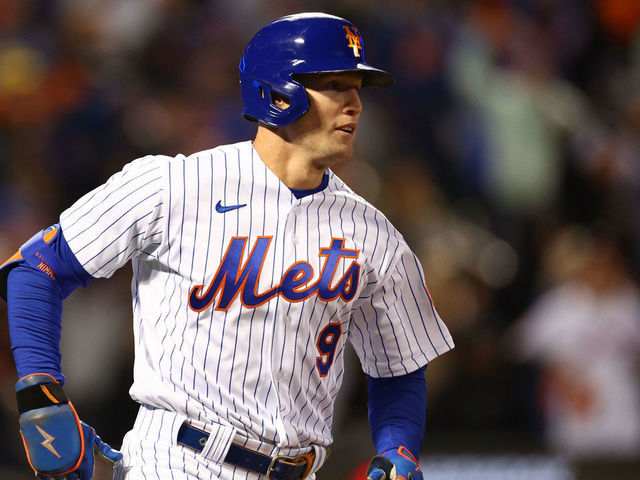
{"type": "Point", "coordinates": [344, 148]}
{"type": "Point", "coordinates": [338, 150]}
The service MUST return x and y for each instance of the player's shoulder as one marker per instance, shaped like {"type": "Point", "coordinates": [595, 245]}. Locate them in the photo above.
{"type": "Point", "coordinates": [189, 161]}
{"type": "Point", "coordinates": [366, 210]}
{"type": "Point", "coordinates": [238, 149]}
{"type": "Point", "coordinates": [339, 188]}
{"type": "Point", "coordinates": [210, 156]}
{"type": "Point", "coordinates": [146, 161]}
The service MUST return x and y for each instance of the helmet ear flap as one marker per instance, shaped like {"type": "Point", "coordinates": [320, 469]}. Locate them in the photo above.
{"type": "Point", "coordinates": [260, 96]}
{"type": "Point", "coordinates": [271, 97]}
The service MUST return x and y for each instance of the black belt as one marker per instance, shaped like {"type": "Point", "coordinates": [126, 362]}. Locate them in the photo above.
{"type": "Point", "coordinates": [275, 468]}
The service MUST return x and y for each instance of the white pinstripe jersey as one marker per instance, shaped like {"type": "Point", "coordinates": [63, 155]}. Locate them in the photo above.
{"type": "Point", "coordinates": [241, 316]}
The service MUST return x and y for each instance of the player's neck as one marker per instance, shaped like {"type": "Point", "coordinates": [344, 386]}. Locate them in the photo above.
{"type": "Point", "coordinates": [287, 162]}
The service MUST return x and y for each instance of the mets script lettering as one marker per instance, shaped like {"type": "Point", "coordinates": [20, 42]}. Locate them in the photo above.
{"type": "Point", "coordinates": [235, 278]}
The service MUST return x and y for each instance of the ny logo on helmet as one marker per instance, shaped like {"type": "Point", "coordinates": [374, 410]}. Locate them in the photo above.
{"type": "Point", "coordinates": [354, 39]}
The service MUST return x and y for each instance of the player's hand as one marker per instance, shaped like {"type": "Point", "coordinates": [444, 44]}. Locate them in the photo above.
{"type": "Point", "coordinates": [91, 440]}
{"type": "Point", "coordinates": [59, 446]}
{"type": "Point", "coordinates": [396, 464]}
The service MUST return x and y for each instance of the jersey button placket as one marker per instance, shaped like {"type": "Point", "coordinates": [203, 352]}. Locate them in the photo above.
{"type": "Point", "coordinates": [282, 373]}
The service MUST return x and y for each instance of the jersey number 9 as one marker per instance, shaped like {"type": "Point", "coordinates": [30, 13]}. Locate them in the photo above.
{"type": "Point", "coordinates": [327, 344]}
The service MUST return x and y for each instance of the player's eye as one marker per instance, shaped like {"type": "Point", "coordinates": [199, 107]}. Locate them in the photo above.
{"type": "Point", "coordinates": [341, 86]}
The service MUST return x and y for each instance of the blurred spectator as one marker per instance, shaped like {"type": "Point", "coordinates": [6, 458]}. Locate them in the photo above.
{"type": "Point", "coordinates": [583, 333]}
{"type": "Point", "coordinates": [517, 108]}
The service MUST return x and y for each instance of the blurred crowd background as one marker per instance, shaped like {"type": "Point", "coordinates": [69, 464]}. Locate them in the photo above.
{"type": "Point", "coordinates": [508, 154]}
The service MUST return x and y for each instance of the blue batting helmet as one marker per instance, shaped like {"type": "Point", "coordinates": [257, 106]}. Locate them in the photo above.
{"type": "Point", "coordinates": [296, 44]}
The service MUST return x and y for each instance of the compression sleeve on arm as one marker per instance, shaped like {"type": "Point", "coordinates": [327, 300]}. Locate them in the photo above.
{"type": "Point", "coordinates": [36, 286]}
{"type": "Point", "coordinates": [397, 411]}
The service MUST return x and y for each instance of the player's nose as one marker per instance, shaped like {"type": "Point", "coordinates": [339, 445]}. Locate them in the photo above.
{"type": "Point", "coordinates": [353, 105]}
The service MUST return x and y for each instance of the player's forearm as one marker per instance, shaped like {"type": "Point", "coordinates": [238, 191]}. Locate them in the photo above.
{"type": "Point", "coordinates": [45, 273]}
{"type": "Point", "coordinates": [397, 410]}
{"type": "Point", "coordinates": [34, 308]}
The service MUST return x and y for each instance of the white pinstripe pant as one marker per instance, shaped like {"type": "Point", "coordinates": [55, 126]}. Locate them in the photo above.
{"type": "Point", "coordinates": [150, 452]}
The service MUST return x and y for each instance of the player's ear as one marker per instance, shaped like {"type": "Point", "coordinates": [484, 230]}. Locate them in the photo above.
{"type": "Point", "coordinates": [280, 101]}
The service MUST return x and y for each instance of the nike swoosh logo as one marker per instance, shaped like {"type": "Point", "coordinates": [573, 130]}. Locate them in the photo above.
{"type": "Point", "coordinates": [227, 208]}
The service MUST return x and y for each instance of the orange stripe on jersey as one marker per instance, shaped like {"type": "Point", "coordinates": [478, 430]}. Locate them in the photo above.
{"type": "Point", "coordinates": [47, 237]}
{"type": "Point", "coordinates": [13, 258]}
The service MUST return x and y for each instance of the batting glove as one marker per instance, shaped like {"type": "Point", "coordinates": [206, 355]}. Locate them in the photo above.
{"type": "Point", "coordinates": [57, 443]}
{"type": "Point", "coordinates": [395, 464]}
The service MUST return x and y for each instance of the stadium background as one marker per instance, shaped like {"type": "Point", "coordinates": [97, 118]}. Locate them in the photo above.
{"type": "Point", "coordinates": [508, 154]}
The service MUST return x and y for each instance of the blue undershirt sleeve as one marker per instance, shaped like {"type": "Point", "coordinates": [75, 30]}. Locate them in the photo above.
{"type": "Point", "coordinates": [34, 307]}
{"type": "Point", "coordinates": [397, 411]}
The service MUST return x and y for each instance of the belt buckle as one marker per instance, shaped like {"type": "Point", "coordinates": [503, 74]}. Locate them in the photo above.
{"type": "Point", "coordinates": [306, 458]}
{"type": "Point", "coordinates": [273, 463]}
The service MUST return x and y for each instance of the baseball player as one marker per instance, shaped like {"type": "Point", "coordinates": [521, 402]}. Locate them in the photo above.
{"type": "Point", "coordinates": [253, 266]}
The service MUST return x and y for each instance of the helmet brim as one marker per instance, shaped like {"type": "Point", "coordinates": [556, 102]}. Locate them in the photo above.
{"type": "Point", "coordinates": [372, 77]}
